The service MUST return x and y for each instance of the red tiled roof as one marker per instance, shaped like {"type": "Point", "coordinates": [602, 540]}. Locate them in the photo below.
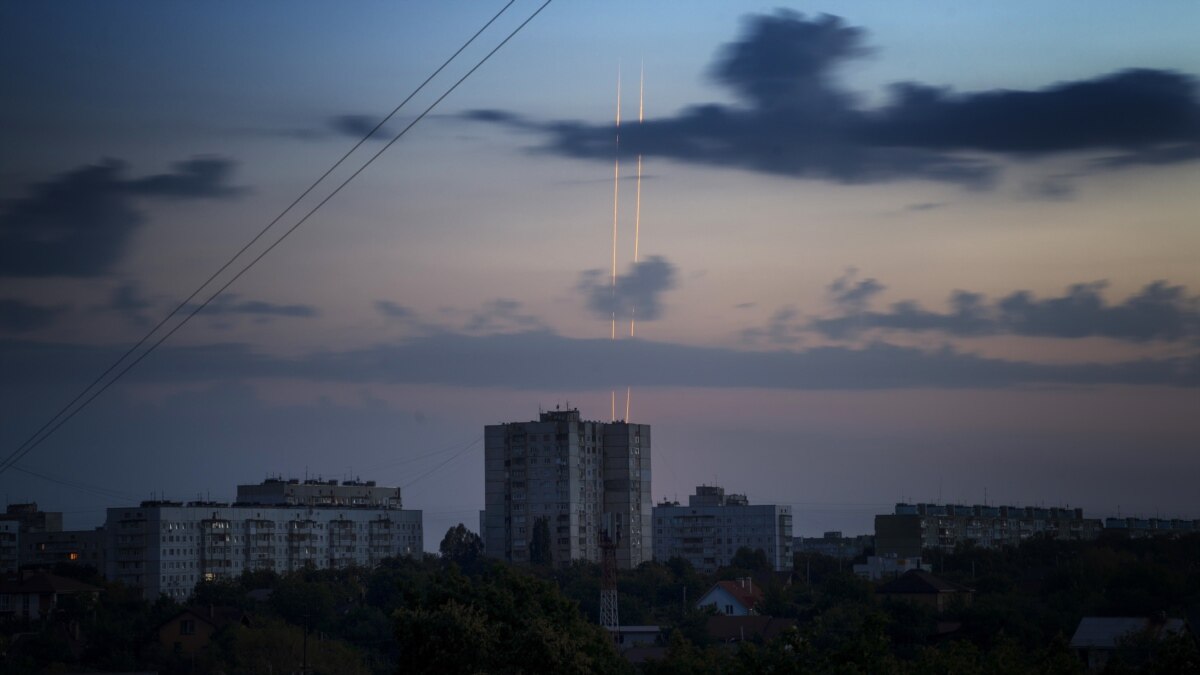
{"type": "Point", "coordinates": [743, 591]}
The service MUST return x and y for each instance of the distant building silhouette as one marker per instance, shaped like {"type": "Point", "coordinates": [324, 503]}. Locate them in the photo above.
{"type": "Point", "coordinates": [914, 528]}
{"type": "Point", "coordinates": [712, 527]}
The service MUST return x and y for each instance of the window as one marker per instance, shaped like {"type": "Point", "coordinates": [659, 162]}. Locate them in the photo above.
{"type": "Point", "coordinates": [187, 627]}
{"type": "Point", "coordinates": [729, 609]}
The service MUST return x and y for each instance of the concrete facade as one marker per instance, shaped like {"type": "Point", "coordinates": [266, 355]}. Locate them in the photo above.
{"type": "Point", "coordinates": [312, 492]}
{"type": "Point", "coordinates": [834, 545]}
{"type": "Point", "coordinates": [10, 542]}
{"type": "Point", "coordinates": [81, 547]}
{"type": "Point", "coordinates": [581, 477]}
{"type": "Point", "coordinates": [916, 527]}
{"type": "Point", "coordinates": [709, 531]}
{"type": "Point", "coordinates": [167, 547]}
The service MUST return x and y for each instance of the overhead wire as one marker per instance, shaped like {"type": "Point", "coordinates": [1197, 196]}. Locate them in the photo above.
{"type": "Point", "coordinates": [257, 236]}
{"type": "Point", "coordinates": [444, 463]}
{"type": "Point", "coordinates": [51, 427]}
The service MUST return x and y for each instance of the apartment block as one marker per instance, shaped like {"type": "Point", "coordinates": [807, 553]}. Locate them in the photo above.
{"type": "Point", "coordinates": [834, 545]}
{"type": "Point", "coordinates": [10, 541]}
{"type": "Point", "coordinates": [167, 547]}
{"type": "Point", "coordinates": [1151, 527]}
{"type": "Point", "coordinates": [712, 527]}
{"type": "Point", "coordinates": [581, 478]}
{"type": "Point", "coordinates": [81, 547]}
{"type": "Point", "coordinates": [19, 524]}
{"type": "Point", "coordinates": [913, 528]}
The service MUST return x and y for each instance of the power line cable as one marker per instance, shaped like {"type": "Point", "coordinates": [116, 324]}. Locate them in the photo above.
{"type": "Point", "coordinates": [250, 243]}
{"type": "Point", "coordinates": [444, 463]}
{"type": "Point", "coordinates": [106, 493]}
{"type": "Point", "coordinates": [18, 454]}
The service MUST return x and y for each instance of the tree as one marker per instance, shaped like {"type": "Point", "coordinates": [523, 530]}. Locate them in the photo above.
{"type": "Point", "coordinates": [539, 546]}
{"type": "Point", "coordinates": [461, 545]}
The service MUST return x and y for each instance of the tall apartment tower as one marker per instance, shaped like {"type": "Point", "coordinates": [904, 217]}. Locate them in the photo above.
{"type": "Point", "coordinates": [581, 477]}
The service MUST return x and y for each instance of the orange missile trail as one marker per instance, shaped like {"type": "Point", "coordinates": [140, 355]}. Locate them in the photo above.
{"type": "Point", "coordinates": [628, 391]}
{"type": "Point", "coordinates": [616, 202]}
{"type": "Point", "coordinates": [637, 217]}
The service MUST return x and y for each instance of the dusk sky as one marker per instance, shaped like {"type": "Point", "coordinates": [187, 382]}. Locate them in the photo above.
{"type": "Point", "coordinates": [887, 250]}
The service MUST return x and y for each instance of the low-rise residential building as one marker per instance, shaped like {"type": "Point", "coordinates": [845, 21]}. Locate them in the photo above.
{"type": "Point", "coordinates": [193, 628]}
{"type": "Point", "coordinates": [733, 598]}
{"type": "Point", "coordinates": [1098, 638]}
{"type": "Point", "coordinates": [167, 547]}
{"type": "Point", "coordinates": [887, 567]}
{"type": "Point", "coordinates": [35, 595]}
{"type": "Point", "coordinates": [923, 588]}
{"type": "Point", "coordinates": [913, 528]}
{"type": "Point", "coordinates": [712, 527]}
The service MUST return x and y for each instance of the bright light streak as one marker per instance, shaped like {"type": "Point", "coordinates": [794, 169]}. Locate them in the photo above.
{"type": "Point", "coordinates": [628, 391]}
{"type": "Point", "coordinates": [616, 203]}
{"type": "Point", "coordinates": [637, 217]}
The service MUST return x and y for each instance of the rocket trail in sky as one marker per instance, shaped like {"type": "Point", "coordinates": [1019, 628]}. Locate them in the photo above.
{"type": "Point", "coordinates": [616, 202]}
{"type": "Point", "coordinates": [637, 217]}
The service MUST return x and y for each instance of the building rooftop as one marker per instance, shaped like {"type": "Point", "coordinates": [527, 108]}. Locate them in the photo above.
{"type": "Point", "coordinates": [922, 582]}
{"type": "Point", "coordinates": [743, 590]}
{"type": "Point", "coordinates": [1106, 632]}
{"type": "Point", "coordinates": [44, 582]}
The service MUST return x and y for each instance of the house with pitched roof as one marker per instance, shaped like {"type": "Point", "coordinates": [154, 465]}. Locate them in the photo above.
{"type": "Point", "coordinates": [35, 595]}
{"type": "Point", "coordinates": [193, 628]}
{"type": "Point", "coordinates": [922, 587]}
{"type": "Point", "coordinates": [1098, 638]}
{"type": "Point", "coordinates": [733, 598]}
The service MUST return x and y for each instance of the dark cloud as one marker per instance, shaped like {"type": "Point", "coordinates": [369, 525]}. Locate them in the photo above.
{"type": "Point", "coordinates": [229, 305]}
{"type": "Point", "coordinates": [782, 329]}
{"type": "Point", "coordinates": [1158, 312]}
{"type": "Point", "coordinates": [544, 360]}
{"type": "Point", "coordinates": [357, 126]}
{"type": "Point", "coordinates": [393, 311]}
{"type": "Point", "coordinates": [1138, 108]}
{"type": "Point", "coordinates": [501, 315]}
{"type": "Point", "coordinates": [1051, 188]}
{"type": "Point", "coordinates": [851, 295]}
{"type": "Point", "coordinates": [637, 293]}
{"type": "Point", "coordinates": [128, 300]}
{"type": "Point", "coordinates": [795, 119]}
{"type": "Point", "coordinates": [200, 177]}
{"type": "Point", "coordinates": [925, 206]}
{"type": "Point", "coordinates": [21, 317]}
{"type": "Point", "coordinates": [80, 223]}
{"type": "Point", "coordinates": [1163, 155]}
